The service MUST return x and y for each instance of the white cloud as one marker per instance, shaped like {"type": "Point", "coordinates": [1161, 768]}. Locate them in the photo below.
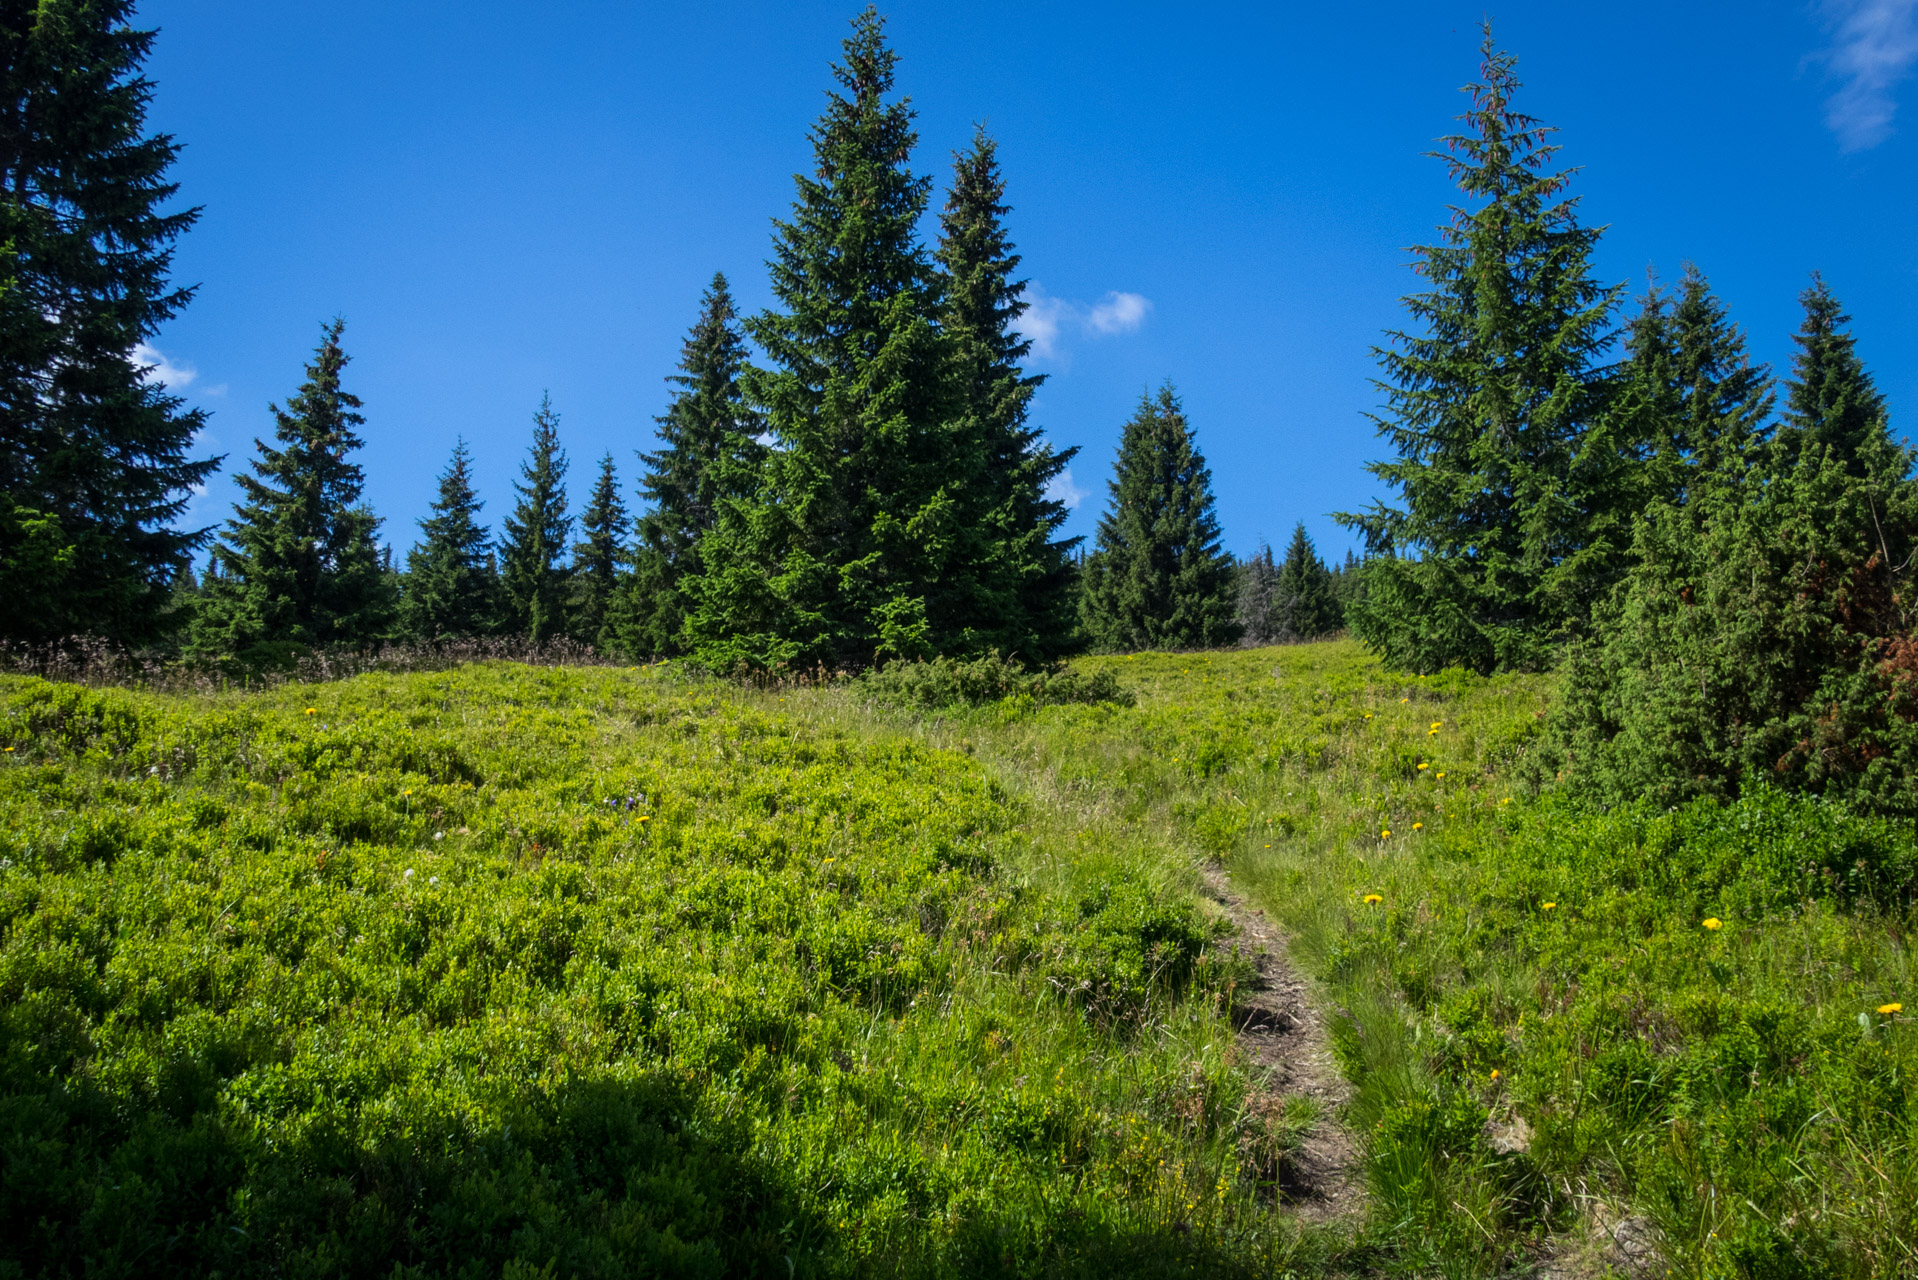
{"type": "Point", "coordinates": [1118, 313]}
{"type": "Point", "coordinates": [1048, 319]}
{"type": "Point", "coordinates": [1061, 489]}
{"type": "Point", "coordinates": [1875, 43]}
{"type": "Point", "coordinates": [174, 377]}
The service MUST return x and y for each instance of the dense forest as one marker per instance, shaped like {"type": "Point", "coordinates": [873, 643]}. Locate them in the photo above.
{"type": "Point", "coordinates": [1720, 567]}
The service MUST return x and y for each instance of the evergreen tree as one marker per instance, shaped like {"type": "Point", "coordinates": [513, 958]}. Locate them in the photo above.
{"type": "Point", "coordinates": [94, 457]}
{"type": "Point", "coordinates": [1258, 589]}
{"type": "Point", "coordinates": [299, 565]}
{"type": "Point", "coordinates": [1491, 554]}
{"type": "Point", "coordinates": [533, 581]}
{"type": "Point", "coordinates": [1010, 588]}
{"type": "Point", "coordinates": [596, 559]}
{"type": "Point", "coordinates": [840, 555]}
{"type": "Point", "coordinates": [450, 587]}
{"type": "Point", "coordinates": [1304, 604]}
{"type": "Point", "coordinates": [1157, 578]}
{"type": "Point", "coordinates": [1690, 404]}
{"type": "Point", "coordinates": [711, 455]}
{"type": "Point", "coordinates": [1830, 402]}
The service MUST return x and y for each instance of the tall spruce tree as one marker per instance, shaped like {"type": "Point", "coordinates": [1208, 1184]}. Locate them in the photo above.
{"type": "Point", "coordinates": [1489, 412]}
{"type": "Point", "coordinates": [533, 577]}
{"type": "Point", "coordinates": [711, 455]}
{"type": "Point", "coordinates": [840, 555]}
{"type": "Point", "coordinates": [450, 588]}
{"type": "Point", "coordinates": [1257, 598]}
{"type": "Point", "coordinates": [1011, 588]}
{"type": "Point", "coordinates": [1690, 405]}
{"type": "Point", "coordinates": [1304, 601]}
{"type": "Point", "coordinates": [1831, 402]}
{"type": "Point", "coordinates": [597, 558]}
{"type": "Point", "coordinates": [94, 456]}
{"type": "Point", "coordinates": [299, 564]}
{"type": "Point", "coordinates": [1157, 578]}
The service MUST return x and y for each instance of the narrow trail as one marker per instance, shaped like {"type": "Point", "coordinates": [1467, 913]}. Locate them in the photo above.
{"type": "Point", "coordinates": [1283, 1036]}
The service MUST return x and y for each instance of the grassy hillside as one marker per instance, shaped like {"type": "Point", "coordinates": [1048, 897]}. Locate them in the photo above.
{"type": "Point", "coordinates": [516, 970]}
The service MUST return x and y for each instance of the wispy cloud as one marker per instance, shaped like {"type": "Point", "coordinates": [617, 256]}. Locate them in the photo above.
{"type": "Point", "coordinates": [1874, 44]}
{"type": "Point", "coordinates": [1061, 489]}
{"type": "Point", "coordinates": [174, 377]}
{"type": "Point", "coordinates": [1048, 319]}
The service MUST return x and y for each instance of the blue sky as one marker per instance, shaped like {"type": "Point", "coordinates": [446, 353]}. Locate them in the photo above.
{"type": "Point", "coordinates": [507, 199]}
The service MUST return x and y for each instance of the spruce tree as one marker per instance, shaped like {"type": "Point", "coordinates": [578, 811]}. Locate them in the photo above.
{"type": "Point", "coordinates": [533, 580]}
{"type": "Point", "coordinates": [1011, 587]}
{"type": "Point", "coordinates": [94, 458]}
{"type": "Point", "coordinates": [1157, 578]}
{"type": "Point", "coordinates": [1830, 401]}
{"type": "Point", "coordinates": [711, 455]}
{"type": "Point", "coordinates": [1489, 408]}
{"type": "Point", "coordinates": [1304, 604]}
{"type": "Point", "coordinates": [1257, 598]}
{"type": "Point", "coordinates": [450, 588]}
{"type": "Point", "coordinates": [840, 555]}
{"type": "Point", "coordinates": [299, 566]}
{"type": "Point", "coordinates": [597, 559]}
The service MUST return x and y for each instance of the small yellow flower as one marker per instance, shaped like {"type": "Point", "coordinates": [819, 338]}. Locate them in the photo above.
{"type": "Point", "coordinates": [1368, 715]}
{"type": "Point", "coordinates": [1386, 834]}
{"type": "Point", "coordinates": [1373, 899]}
{"type": "Point", "coordinates": [1418, 826]}
{"type": "Point", "coordinates": [1494, 1073]}
{"type": "Point", "coordinates": [644, 817]}
{"type": "Point", "coordinates": [1440, 775]}
{"type": "Point", "coordinates": [1891, 1008]}
{"type": "Point", "coordinates": [1713, 922]}
{"type": "Point", "coordinates": [1424, 767]}
{"type": "Point", "coordinates": [311, 711]}
{"type": "Point", "coordinates": [1546, 906]}
{"type": "Point", "coordinates": [9, 748]}
{"type": "Point", "coordinates": [1404, 700]}
{"type": "Point", "coordinates": [829, 860]}
{"type": "Point", "coordinates": [407, 792]}
{"type": "Point", "coordinates": [1437, 723]}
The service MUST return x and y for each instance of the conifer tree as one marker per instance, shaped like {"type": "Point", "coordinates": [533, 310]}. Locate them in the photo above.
{"type": "Point", "coordinates": [450, 588]}
{"type": "Point", "coordinates": [840, 555]}
{"type": "Point", "coordinates": [597, 558]}
{"type": "Point", "coordinates": [533, 580]}
{"type": "Point", "coordinates": [1490, 556]}
{"type": "Point", "coordinates": [95, 462]}
{"type": "Point", "coordinates": [711, 455]}
{"type": "Point", "coordinates": [1157, 578]}
{"type": "Point", "coordinates": [1830, 402]}
{"type": "Point", "coordinates": [1011, 587]}
{"type": "Point", "coordinates": [299, 565]}
{"type": "Point", "coordinates": [1303, 601]}
{"type": "Point", "coordinates": [1258, 586]}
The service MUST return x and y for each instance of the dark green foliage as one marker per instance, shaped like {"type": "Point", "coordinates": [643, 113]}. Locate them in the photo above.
{"type": "Point", "coordinates": [1500, 543]}
{"type": "Point", "coordinates": [1010, 587]}
{"type": "Point", "coordinates": [711, 456]}
{"type": "Point", "coordinates": [1690, 404]}
{"type": "Point", "coordinates": [1766, 631]}
{"type": "Point", "coordinates": [533, 581]}
{"type": "Point", "coordinates": [1257, 593]}
{"type": "Point", "coordinates": [840, 557]}
{"type": "Point", "coordinates": [596, 559]}
{"type": "Point", "coordinates": [942, 683]}
{"type": "Point", "coordinates": [1157, 578]}
{"type": "Point", "coordinates": [451, 588]}
{"type": "Point", "coordinates": [1304, 601]}
{"type": "Point", "coordinates": [94, 465]}
{"type": "Point", "coordinates": [1830, 402]}
{"type": "Point", "coordinates": [298, 567]}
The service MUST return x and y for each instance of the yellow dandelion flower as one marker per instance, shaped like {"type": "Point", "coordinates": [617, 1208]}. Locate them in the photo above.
{"type": "Point", "coordinates": [1424, 767]}
{"type": "Point", "coordinates": [1441, 775]}
{"type": "Point", "coordinates": [1373, 899]}
{"type": "Point", "coordinates": [407, 792]}
{"type": "Point", "coordinates": [1891, 1008]}
{"type": "Point", "coordinates": [1546, 906]}
{"type": "Point", "coordinates": [1713, 922]}
{"type": "Point", "coordinates": [1404, 700]}
{"type": "Point", "coordinates": [9, 748]}
{"type": "Point", "coordinates": [1368, 715]}
{"type": "Point", "coordinates": [311, 711]}
{"type": "Point", "coordinates": [1437, 723]}
{"type": "Point", "coordinates": [1494, 1073]}
{"type": "Point", "coordinates": [644, 817]}
{"type": "Point", "coordinates": [1386, 834]}
{"type": "Point", "coordinates": [1418, 826]}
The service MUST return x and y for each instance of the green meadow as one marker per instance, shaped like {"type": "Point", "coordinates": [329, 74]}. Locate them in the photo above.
{"type": "Point", "coordinates": [590, 971]}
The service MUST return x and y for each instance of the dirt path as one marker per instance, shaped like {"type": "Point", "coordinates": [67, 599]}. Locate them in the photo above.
{"type": "Point", "coordinates": [1284, 1038]}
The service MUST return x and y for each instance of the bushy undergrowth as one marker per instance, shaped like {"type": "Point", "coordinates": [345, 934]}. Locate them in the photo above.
{"type": "Point", "coordinates": [513, 970]}
{"type": "Point", "coordinates": [942, 683]}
